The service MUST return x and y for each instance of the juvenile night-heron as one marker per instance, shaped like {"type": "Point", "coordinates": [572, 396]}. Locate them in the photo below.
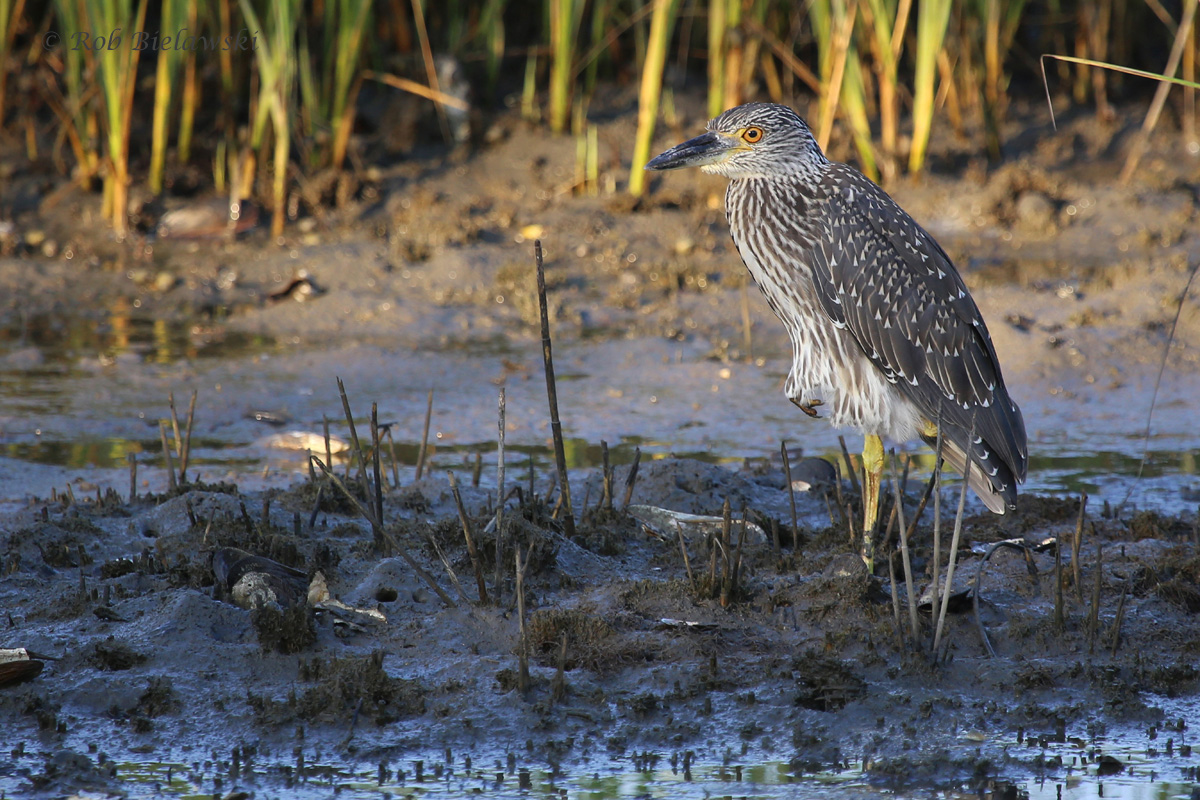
{"type": "Point", "coordinates": [885, 336]}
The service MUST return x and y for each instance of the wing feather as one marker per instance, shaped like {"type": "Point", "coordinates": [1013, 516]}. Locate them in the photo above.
{"type": "Point", "coordinates": [880, 275]}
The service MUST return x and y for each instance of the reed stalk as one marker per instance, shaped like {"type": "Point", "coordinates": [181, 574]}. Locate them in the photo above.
{"type": "Point", "coordinates": [116, 66]}
{"type": "Point", "coordinates": [190, 98]}
{"type": "Point", "coordinates": [933, 18]}
{"type": "Point", "coordinates": [276, 59]}
{"type": "Point", "coordinates": [565, 16]}
{"type": "Point", "coordinates": [887, 21]}
{"type": "Point", "coordinates": [717, 33]}
{"type": "Point", "coordinates": [174, 12]}
{"type": "Point", "coordinates": [662, 21]}
{"type": "Point", "coordinates": [10, 17]}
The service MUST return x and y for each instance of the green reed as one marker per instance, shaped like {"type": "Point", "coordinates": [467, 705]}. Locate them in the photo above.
{"type": "Point", "coordinates": [174, 12]}
{"type": "Point", "coordinates": [662, 21]}
{"type": "Point", "coordinates": [565, 17]}
{"type": "Point", "coordinates": [116, 68]}
{"type": "Point", "coordinates": [276, 59]}
{"type": "Point", "coordinates": [933, 18]}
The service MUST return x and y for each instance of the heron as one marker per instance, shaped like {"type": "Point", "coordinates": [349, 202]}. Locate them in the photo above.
{"type": "Point", "coordinates": [885, 337]}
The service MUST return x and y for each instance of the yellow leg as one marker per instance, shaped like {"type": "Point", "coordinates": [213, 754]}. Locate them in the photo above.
{"type": "Point", "coordinates": [872, 473]}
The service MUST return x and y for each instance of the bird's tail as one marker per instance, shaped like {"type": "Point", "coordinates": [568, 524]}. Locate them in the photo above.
{"type": "Point", "coordinates": [997, 500]}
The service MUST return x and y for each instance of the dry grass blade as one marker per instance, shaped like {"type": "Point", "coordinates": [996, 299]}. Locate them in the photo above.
{"type": "Point", "coordinates": [523, 644]}
{"type": "Point", "coordinates": [419, 89]}
{"type": "Point", "coordinates": [687, 563]}
{"type": "Point", "coordinates": [958, 519]}
{"type": "Point", "coordinates": [424, 436]}
{"type": "Point", "coordinates": [631, 479]}
{"type": "Point", "coordinates": [787, 474]}
{"type": "Point", "coordinates": [381, 534]}
{"type": "Point", "coordinates": [499, 496]}
{"type": "Point", "coordinates": [907, 561]}
{"type": "Point", "coordinates": [166, 446]}
{"type": "Point", "coordinates": [354, 442]}
{"type": "Point", "coordinates": [466, 528]}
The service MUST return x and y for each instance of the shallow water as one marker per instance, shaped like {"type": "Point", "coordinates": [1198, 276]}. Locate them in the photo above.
{"type": "Point", "coordinates": [81, 396]}
{"type": "Point", "coordinates": [1131, 763]}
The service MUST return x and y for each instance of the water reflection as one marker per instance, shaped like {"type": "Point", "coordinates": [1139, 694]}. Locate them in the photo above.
{"type": "Point", "coordinates": [117, 330]}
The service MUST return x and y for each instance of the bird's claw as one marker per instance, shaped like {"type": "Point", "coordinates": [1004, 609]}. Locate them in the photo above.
{"type": "Point", "coordinates": [809, 407]}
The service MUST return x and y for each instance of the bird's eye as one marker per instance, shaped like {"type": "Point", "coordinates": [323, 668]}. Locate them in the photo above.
{"type": "Point", "coordinates": [752, 135]}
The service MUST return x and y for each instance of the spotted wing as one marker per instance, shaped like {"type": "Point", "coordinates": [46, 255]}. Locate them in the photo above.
{"type": "Point", "coordinates": [882, 277]}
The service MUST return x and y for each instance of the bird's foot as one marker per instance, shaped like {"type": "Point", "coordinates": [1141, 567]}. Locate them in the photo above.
{"type": "Point", "coordinates": [809, 407]}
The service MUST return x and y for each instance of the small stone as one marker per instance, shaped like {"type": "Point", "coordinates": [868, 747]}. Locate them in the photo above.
{"type": "Point", "coordinates": [164, 281]}
{"type": "Point", "coordinates": [35, 238]}
{"type": "Point", "coordinates": [1035, 211]}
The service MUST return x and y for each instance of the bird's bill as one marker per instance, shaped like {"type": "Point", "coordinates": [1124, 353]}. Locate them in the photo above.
{"type": "Point", "coordinates": [705, 149]}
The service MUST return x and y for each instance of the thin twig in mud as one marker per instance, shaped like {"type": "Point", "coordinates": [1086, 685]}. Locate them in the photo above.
{"type": "Point", "coordinates": [186, 453]}
{"type": "Point", "coordinates": [328, 448]}
{"type": "Point", "coordinates": [392, 454]}
{"type": "Point", "coordinates": [737, 558]}
{"type": "Point", "coordinates": [1162, 366]}
{"type": "Point", "coordinates": [1015, 544]}
{"type": "Point", "coordinates": [381, 534]}
{"type": "Point", "coordinates": [606, 499]}
{"type": "Point", "coordinates": [523, 644]}
{"type": "Point", "coordinates": [850, 466]}
{"type": "Point", "coordinates": [1076, 543]}
{"type": "Point", "coordinates": [312, 471]}
{"type": "Point", "coordinates": [477, 470]}
{"type": "Point", "coordinates": [375, 457]}
{"type": "Point", "coordinates": [450, 571]}
{"type": "Point", "coordinates": [935, 480]}
{"type": "Point", "coordinates": [176, 431]}
{"type": "Point", "coordinates": [912, 525]}
{"type": "Point", "coordinates": [558, 687]}
{"type": "Point", "coordinates": [500, 498]}
{"type": "Point", "coordinates": [162, 434]}
{"type": "Point", "coordinates": [631, 479]}
{"type": "Point", "coordinates": [312, 518]}
{"type": "Point", "coordinates": [958, 519]}
{"type": "Point", "coordinates": [132, 459]}
{"type": "Point", "coordinates": [687, 563]}
{"type": "Point", "coordinates": [358, 451]}
{"type": "Point", "coordinates": [1093, 623]}
{"type": "Point", "coordinates": [424, 436]}
{"type": "Point", "coordinates": [1115, 631]}
{"type": "Point", "coordinates": [560, 458]}
{"type": "Point", "coordinates": [726, 537]}
{"type": "Point", "coordinates": [787, 474]}
{"type": "Point", "coordinates": [1058, 589]}
{"type": "Point", "coordinates": [895, 597]}
{"type": "Point", "coordinates": [898, 510]}
{"type": "Point", "coordinates": [466, 528]}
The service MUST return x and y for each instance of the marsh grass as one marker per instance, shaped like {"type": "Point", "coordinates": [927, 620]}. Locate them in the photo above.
{"type": "Point", "coordinates": [116, 68]}
{"type": "Point", "coordinates": [888, 71]}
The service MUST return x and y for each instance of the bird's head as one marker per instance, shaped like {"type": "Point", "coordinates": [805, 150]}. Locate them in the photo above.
{"type": "Point", "coordinates": [751, 141]}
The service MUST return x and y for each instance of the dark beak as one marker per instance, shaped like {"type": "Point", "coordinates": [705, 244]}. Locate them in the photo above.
{"type": "Point", "coordinates": [707, 148]}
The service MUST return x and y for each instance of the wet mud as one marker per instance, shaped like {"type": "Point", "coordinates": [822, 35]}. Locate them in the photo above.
{"type": "Point", "coordinates": [185, 626]}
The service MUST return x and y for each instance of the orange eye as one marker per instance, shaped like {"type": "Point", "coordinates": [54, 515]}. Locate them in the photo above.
{"type": "Point", "coordinates": [752, 135]}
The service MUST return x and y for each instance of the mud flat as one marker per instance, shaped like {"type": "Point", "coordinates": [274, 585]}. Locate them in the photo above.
{"type": "Point", "coordinates": [742, 669]}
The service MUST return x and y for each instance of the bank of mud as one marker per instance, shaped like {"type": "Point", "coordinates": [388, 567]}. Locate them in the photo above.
{"type": "Point", "coordinates": [630, 655]}
{"type": "Point", "coordinates": [797, 658]}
